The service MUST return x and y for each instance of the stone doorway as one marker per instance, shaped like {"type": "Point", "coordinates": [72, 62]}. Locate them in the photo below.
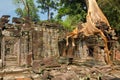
{"type": "Point", "coordinates": [10, 51]}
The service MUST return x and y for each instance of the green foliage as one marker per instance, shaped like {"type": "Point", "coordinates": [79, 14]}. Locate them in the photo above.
{"type": "Point", "coordinates": [27, 8]}
{"type": "Point", "coordinates": [70, 22]}
{"type": "Point", "coordinates": [71, 7]}
{"type": "Point", "coordinates": [46, 6]}
{"type": "Point", "coordinates": [111, 9]}
{"type": "Point", "coordinates": [19, 11]}
{"type": "Point", "coordinates": [75, 10]}
{"type": "Point", "coordinates": [66, 24]}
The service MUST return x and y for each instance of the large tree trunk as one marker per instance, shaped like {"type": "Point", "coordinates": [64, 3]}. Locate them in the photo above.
{"type": "Point", "coordinates": [25, 3]}
{"type": "Point", "coordinates": [94, 16]}
{"type": "Point", "coordinates": [95, 13]}
{"type": "Point", "coordinates": [48, 13]}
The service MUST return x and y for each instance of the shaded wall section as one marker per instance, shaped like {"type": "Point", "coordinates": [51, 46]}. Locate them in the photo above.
{"type": "Point", "coordinates": [45, 42]}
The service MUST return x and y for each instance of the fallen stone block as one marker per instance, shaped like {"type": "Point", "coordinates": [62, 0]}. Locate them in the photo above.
{"type": "Point", "coordinates": [71, 75]}
{"type": "Point", "coordinates": [36, 66]}
{"type": "Point", "coordinates": [50, 62]}
{"type": "Point", "coordinates": [23, 79]}
{"type": "Point", "coordinates": [117, 55]}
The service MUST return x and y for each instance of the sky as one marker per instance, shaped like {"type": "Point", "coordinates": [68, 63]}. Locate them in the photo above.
{"type": "Point", "coordinates": [8, 8]}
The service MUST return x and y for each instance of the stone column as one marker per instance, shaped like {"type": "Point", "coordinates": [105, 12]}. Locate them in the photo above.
{"type": "Point", "coordinates": [3, 51]}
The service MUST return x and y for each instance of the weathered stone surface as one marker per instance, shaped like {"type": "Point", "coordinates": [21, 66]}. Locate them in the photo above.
{"type": "Point", "coordinates": [23, 79]}
{"type": "Point", "coordinates": [29, 59]}
{"type": "Point", "coordinates": [50, 62]}
{"type": "Point", "coordinates": [117, 55]}
{"type": "Point", "coordinates": [0, 63]}
{"type": "Point", "coordinates": [70, 75]}
{"type": "Point", "coordinates": [39, 66]}
{"type": "Point", "coordinates": [37, 44]}
{"type": "Point", "coordinates": [43, 43]}
{"type": "Point", "coordinates": [45, 75]}
{"type": "Point", "coordinates": [17, 20]}
{"type": "Point", "coordinates": [36, 66]}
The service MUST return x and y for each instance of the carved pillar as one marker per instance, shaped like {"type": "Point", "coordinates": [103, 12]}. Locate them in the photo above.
{"type": "Point", "coordinates": [3, 51]}
{"type": "Point", "coordinates": [19, 53]}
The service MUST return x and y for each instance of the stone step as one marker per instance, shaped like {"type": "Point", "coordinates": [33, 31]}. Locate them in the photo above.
{"type": "Point", "coordinates": [15, 70]}
{"type": "Point", "coordinates": [11, 55]}
{"type": "Point", "coordinates": [19, 73]}
{"type": "Point", "coordinates": [11, 58]}
{"type": "Point", "coordinates": [11, 63]}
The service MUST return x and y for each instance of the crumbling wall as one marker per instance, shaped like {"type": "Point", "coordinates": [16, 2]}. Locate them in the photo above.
{"type": "Point", "coordinates": [45, 42]}
{"type": "Point", "coordinates": [80, 50]}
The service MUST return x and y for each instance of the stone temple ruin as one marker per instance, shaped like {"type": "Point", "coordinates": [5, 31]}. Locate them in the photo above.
{"type": "Point", "coordinates": [96, 24]}
{"type": "Point", "coordinates": [33, 45]}
{"type": "Point", "coordinates": [41, 47]}
{"type": "Point", "coordinates": [21, 39]}
{"type": "Point", "coordinates": [23, 42]}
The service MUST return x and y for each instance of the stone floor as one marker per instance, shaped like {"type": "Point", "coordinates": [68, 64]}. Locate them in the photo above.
{"type": "Point", "coordinates": [78, 70]}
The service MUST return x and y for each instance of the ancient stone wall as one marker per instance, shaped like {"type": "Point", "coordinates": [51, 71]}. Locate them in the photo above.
{"type": "Point", "coordinates": [45, 42]}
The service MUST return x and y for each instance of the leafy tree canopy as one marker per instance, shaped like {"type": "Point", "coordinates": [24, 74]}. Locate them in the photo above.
{"type": "Point", "coordinates": [111, 9]}
{"type": "Point", "coordinates": [75, 10]}
{"type": "Point", "coordinates": [27, 8]}
{"type": "Point", "coordinates": [46, 6]}
{"type": "Point", "coordinates": [71, 7]}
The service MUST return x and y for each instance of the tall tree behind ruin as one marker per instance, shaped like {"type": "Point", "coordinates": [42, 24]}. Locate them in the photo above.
{"type": "Point", "coordinates": [110, 8]}
{"type": "Point", "coordinates": [71, 7]}
{"type": "Point", "coordinates": [46, 6]}
{"type": "Point", "coordinates": [73, 11]}
{"type": "Point", "coordinates": [27, 8]}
